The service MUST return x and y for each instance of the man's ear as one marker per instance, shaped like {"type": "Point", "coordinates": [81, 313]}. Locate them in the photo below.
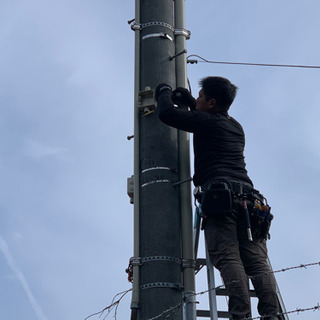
{"type": "Point", "coordinates": [212, 103]}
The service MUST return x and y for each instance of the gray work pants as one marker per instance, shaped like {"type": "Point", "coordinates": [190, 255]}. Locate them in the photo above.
{"type": "Point", "coordinates": [236, 257]}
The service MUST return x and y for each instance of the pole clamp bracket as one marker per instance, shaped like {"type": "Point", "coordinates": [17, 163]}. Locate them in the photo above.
{"type": "Point", "coordinates": [188, 263]}
{"type": "Point", "coordinates": [135, 261]}
{"type": "Point", "coordinates": [140, 26]}
{"type": "Point", "coordinates": [146, 100]}
{"type": "Point", "coordinates": [176, 31]}
{"type": "Point", "coordinates": [182, 32]}
{"type": "Point", "coordinates": [135, 26]}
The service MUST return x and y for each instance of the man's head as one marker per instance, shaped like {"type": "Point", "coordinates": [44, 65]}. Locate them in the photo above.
{"type": "Point", "coordinates": [216, 95]}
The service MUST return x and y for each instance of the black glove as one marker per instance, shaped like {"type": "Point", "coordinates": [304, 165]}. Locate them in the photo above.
{"type": "Point", "coordinates": [160, 88]}
{"type": "Point", "coordinates": [182, 97]}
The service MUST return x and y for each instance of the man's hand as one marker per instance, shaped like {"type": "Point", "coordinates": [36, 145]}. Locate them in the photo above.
{"type": "Point", "coordinates": [182, 97]}
{"type": "Point", "coordinates": [160, 88]}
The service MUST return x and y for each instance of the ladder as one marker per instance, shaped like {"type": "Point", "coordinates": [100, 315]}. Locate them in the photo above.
{"type": "Point", "coordinates": [213, 292]}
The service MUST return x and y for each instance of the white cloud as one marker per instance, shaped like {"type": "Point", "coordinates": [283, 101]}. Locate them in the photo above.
{"type": "Point", "coordinates": [16, 236]}
{"type": "Point", "coordinates": [38, 150]}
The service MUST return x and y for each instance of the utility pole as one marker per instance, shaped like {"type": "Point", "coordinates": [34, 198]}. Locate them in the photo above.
{"type": "Point", "coordinates": [163, 263]}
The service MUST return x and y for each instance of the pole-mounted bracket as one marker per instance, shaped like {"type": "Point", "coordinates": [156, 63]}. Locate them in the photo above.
{"type": "Point", "coordinates": [130, 188]}
{"type": "Point", "coordinates": [188, 263]}
{"type": "Point", "coordinates": [135, 261]}
{"type": "Point", "coordinates": [176, 31]}
{"type": "Point", "coordinates": [146, 100]}
{"type": "Point", "coordinates": [182, 32]}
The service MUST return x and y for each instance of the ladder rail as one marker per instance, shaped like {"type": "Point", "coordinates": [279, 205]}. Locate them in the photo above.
{"type": "Point", "coordinates": [211, 286]}
{"type": "Point", "coordinates": [283, 309]}
{"type": "Point", "coordinates": [213, 313]}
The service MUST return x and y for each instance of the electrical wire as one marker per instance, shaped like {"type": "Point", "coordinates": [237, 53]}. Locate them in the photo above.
{"type": "Point", "coordinates": [250, 63]}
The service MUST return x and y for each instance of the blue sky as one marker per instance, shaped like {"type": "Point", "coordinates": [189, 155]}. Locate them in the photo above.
{"type": "Point", "coordinates": [66, 108]}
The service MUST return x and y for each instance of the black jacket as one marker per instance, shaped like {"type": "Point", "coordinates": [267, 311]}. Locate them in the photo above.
{"type": "Point", "coordinates": [218, 141]}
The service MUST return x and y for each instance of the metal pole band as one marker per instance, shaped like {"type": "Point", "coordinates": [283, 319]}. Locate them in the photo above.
{"type": "Point", "coordinates": [155, 181]}
{"type": "Point", "coordinates": [176, 286]}
{"type": "Point", "coordinates": [158, 168]}
{"type": "Point", "coordinates": [160, 258]}
{"type": "Point", "coordinates": [157, 35]}
{"type": "Point", "coordinates": [157, 23]}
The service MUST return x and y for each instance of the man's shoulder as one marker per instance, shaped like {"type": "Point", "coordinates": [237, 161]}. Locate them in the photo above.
{"type": "Point", "coordinates": [233, 120]}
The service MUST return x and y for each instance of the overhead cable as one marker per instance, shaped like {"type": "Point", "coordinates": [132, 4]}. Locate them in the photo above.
{"type": "Point", "coordinates": [249, 63]}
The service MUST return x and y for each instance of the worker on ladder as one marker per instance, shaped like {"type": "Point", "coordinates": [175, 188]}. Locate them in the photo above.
{"type": "Point", "coordinates": [236, 216]}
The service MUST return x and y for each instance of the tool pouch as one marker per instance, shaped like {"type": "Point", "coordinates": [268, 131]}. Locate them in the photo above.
{"type": "Point", "coordinates": [217, 200]}
{"type": "Point", "coordinates": [261, 218]}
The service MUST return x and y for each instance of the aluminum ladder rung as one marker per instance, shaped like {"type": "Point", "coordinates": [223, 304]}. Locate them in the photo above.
{"type": "Point", "coordinates": [206, 314]}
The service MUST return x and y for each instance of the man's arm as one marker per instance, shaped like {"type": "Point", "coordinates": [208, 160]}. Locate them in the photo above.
{"type": "Point", "coordinates": [182, 119]}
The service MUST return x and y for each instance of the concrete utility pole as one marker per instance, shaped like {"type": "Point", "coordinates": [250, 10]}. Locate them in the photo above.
{"type": "Point", "coordinates": [163, 263]}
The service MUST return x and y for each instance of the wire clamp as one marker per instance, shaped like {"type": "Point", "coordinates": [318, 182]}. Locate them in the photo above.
{"type": "Point", "coordinates": [192, 61]}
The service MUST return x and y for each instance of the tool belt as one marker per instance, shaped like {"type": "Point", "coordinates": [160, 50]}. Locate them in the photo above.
{"type": "Point", "coordinates": [217, 200]}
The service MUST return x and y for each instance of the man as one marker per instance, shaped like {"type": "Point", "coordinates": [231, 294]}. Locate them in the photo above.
{"type": "Point", "coordinates": [220, 167]}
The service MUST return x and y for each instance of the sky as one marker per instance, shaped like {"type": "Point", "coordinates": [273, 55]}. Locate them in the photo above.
{"type": "Point", "coordinates": [66, 109]}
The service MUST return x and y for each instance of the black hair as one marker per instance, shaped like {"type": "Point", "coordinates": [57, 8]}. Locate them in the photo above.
{"type": "Point", "coordinates": [220, 89]}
